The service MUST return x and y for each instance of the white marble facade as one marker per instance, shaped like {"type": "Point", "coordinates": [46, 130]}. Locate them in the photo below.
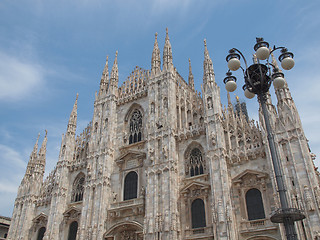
{"type": "Point", "coordinates": [160, 160]}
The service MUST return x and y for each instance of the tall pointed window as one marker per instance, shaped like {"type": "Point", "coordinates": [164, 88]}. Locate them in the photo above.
{"type": "Point", "coordinates": [196, 163]}
{"type": "Point", "coordinates": [73, 229]}
{"type": "Point", "coordinates": [135, 127]}
{"type": "Point", "coordinates": [41, 233]}
{"type": "Point", "coordinates": [78, 189]}
{"type": "Point", "coordinates": [198, 214]}
{"type": "Point", "coordinates": [130, 186]}
{"type": "Point", "coordinates": [254, 203]}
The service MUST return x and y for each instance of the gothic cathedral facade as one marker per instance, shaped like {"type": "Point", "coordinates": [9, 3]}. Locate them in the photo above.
{"type": "Point", "coordinates": [162, 161]}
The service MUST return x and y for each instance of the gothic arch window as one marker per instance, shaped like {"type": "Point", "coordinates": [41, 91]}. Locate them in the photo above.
{"type": "Point", "coordinates": [78, 188]}
{"type": "Point", "coordinates": [95, 127]}
{"type": "Point", "coordinates": [130, 186]}
{"type": "Point", "coordinates": [41, 233]}
{"type": "Point", "coordinates": [106, 123]}
{"type": "Point", "coordinates": [73, 229]}
{"type": "Point", "coordinates": [196, 163]}
{"type": "Point", "coordinates": [210, 104]}
{"type": "Point", "coordinates": [254, 203]}
{"type": "Point", "coordinates": [198, 215]}
{"type": "Point", "coordinates": [135, 127]}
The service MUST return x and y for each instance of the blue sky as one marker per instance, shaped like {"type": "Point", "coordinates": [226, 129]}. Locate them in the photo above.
{"type": "Point", "coordinates": [50, 50]}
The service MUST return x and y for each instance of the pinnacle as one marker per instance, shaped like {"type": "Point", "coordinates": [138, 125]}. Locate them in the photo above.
{"type": "Point", "coordinates": [191, 80]}
{"type": "Point", "coordinates": [208, 73]}
{"type": "Point", "coordinates": [167, 52]}
{"type": "Point", "coordinates": [105, 70]}
{"type": "Point", "coordinates": [35, 148]}
{"type": "Point", "coordinates": [114, 73]}
{"type": "Point", "coordinates": [274, 62]}
{"type": "Point", "coordinates": [155, 59]}
{"type": "Point", "coordinates": [229, 99]}
{"type": "Point", "coordinates": [73, 117]}
{"type": "Point", "coordinates": [44, 144]}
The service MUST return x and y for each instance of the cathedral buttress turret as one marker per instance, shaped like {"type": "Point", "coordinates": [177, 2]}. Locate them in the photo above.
{"type": "Point", "coordinates": [104, 79]}
{"type": "Point", "coordinates": [216, 154]}
{"type": "Point", "coordinates": [208, 73]}
{"type": "Point", "coordinates": [167, 54]}
{"type": "Point", "coordinates": [32, 159]}
{"type": "Point", "coordinates": [210, 89]}
{"type": "Point", "coordinates": [297, 161]}
{"type": "Point", "coordinates": [60, 192]}
{"type": "Point", "coordinates": [24, 188]}
{"type": "Point", "coordinates": [155, 60]}
{"type": "Point", "coordinates": [42, 157]}
{"type": "Point", "coordinates": [114, 78]}
{"type": "Point", "coordinates": [190, 78]}
{"type": "Point", "coordinates": [28, 193]}
{"type": "Point", "coordinates": [72, 124]}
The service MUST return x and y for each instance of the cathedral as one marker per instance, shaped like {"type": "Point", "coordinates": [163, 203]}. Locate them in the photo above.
{"type": "Point", "coordinates": [160, 160]}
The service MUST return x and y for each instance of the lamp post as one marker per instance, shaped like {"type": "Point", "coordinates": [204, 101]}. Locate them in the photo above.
{"type": "Point", "coordinates": [258, 78]}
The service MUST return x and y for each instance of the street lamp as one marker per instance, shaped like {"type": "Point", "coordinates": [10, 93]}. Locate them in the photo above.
{"type": "Point", "coordinates": [258, 78]}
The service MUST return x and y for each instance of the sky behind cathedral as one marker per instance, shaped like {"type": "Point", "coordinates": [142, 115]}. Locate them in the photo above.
{"type": "Point", "coordinates": [50, 50]}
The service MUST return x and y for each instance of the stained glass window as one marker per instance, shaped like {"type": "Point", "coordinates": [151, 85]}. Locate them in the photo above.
{"type": "Point", "coordinates": [135, 127]}
{"type": "Point", "coordinates": [196, 164]}
{"type": "Point", "coordinates": [78, 189]}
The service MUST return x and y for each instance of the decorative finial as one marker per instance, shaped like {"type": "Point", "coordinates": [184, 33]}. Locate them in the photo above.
{"type": "Point", "coordinates": [156, 35]}
{"type": "Point", "coordinates": [77, 96]}
{"type": "Point", "coordinates": [205, 42]}
{"type": "Point", "coordinates": [237, 97]}
{"type": "Point", "coordinates": [167, 32]}
{"type": "Point", "coordinates": [46, 133]}
{"type": "Point", "coordinates": [116, 53]}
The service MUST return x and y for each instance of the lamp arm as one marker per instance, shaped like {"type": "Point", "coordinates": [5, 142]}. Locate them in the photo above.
{"type": "Point", "coordinates": [276, 48]}
{"type": "Point", "coordinates": [244, 59]}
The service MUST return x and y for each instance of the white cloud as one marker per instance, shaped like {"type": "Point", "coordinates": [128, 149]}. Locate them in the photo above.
{"type": "Point", "coordinates": [11, 156]}
{"type": "Point", "coordinates": [18, 79]}
{"type": "Point", "coordinates": [8, 187]}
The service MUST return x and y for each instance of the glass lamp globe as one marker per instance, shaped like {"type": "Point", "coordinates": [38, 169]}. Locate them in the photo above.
{"type": "Point", "coordinates": [278, 82]}
{"type": "Point", "coordinates": [287, 63]}
{"type": "Point", "coordinates": [262, 53]}
{"type": "Point", "coordinates": [231, 86]}
{"type": "Point", "coordinates": [248, 94]}
{"type": "Point", "coordinates": [234, 64]}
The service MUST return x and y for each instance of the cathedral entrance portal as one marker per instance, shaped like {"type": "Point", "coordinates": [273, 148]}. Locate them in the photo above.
{"type": "Point", "coordinates": [125, 231]}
